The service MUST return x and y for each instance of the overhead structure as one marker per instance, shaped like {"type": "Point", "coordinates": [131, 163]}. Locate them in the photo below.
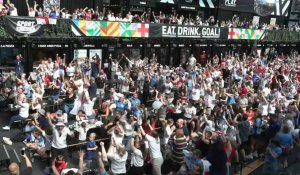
{"type": "Point", "coordinates": [264, 7]}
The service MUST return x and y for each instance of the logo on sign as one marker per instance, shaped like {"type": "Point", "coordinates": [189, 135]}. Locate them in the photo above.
{"type": "Point", "coordinates": [230, 3]}
{"type": "Point", "coordinates": [26, 27]}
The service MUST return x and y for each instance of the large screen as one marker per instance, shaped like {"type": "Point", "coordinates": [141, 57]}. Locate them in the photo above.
{"type": "Point", "coordinates": [282, 6]}
{"type": "Point", "coordinates": [238, 5]}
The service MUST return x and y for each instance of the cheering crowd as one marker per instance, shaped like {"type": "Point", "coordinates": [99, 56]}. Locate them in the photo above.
{"type": "Point", "coordinates": [134, 116]}
{"type": "Point", "coordinates": [145, 17]}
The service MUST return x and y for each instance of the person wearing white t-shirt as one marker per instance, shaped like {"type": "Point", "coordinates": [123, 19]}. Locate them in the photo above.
{"type": "Point", "coordinates": [168, 130]}
{"type": "Point", "coordinates": [263, 106]}
{"type": "Point", "coordinates": [272, 107]}
{"type": "Point", "coordinates": [154, 149]}
{"type": "Point", "coordinates": [118, 157]}
{"type": "Point", "coordinates": [23, 113]}
{"type": "Point", "coordinates": [137, 158]}
{"type": "Point", "coordinates": [117, 134]}
{"type": "Point", "coordinates": [192, 62]}
{"type": "Point", "coordinates": [209, 101]}
{"type": "Point", "coordinates": [196, 93]}
{"type": "Point", "coordinates": [128, 124]}
{"type": "Point", "coordinates": [114, 68]}
{"type": "Point", "coordinates": [13, 11]}
{"type": "Point", "coordinates": [59, 141]}
{"type": "Point", "coordinates": [190, 111]}
{"type": "Point", "coordinates": [70, 70]}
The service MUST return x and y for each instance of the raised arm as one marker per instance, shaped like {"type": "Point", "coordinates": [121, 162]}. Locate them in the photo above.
{"type": "Point", "coordinates": [85, 9]}
{"type": "Point", "coordinates": [28, 8]}
{"type": "Point", "coordinates": [35, 6]}
{"type": "Point", "coordinates": [133, 148]}
{"type": "Point", "coordinates": [103, 151]}
{"type": "Point", "coordinates": [27, 161]}
{"type": "Point", "coordinates": [80, 163]}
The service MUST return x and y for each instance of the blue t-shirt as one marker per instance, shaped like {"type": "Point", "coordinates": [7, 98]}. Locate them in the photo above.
{"type": "Point", "coordinates": [269, 158]}
{"type": "Point", "coordinates": [257, 126]}
{"type": "Point", "coordinates": [120, 107]}
{"type": "Point", "coordinates": [285, 139]}
{"type": "Point", "coordinates": [196, 163]}
{"type": "Point", "coordinates": [137, 112]}
{"type": "Point", "coordinates": [52, 14]}
{"type": "Point", "coordinates": [134, 102]}
{"type": "Point", "coordinates": [90, 153]}
{"type": "Point", "coordinates": [190, 84]}
{"type": "Point", "coordinates": [153, 82]}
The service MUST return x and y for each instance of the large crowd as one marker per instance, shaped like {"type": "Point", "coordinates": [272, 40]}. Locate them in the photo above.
{"type": "Point", "coordinates": [147, 16]}
{"type": "Point", "coordinates": [135, 116]}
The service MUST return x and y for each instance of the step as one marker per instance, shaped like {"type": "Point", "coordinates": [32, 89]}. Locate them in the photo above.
{"type": "Point", "coordinates": [249, 168]}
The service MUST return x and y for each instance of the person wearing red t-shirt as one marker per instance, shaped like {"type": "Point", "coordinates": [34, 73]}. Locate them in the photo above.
{"type": "Point", "coordinates": [203, 58]}
{"type": "Point", "coordinates": [88, 13]}
{"type": "Point", "coordinates": [298, 76]}
{"type": "Point", "coordinates": [60, 163]}
{"type": "Point", "coordinates": [260, 70]}
{"type": "Point", "coordinates": [149, 125]}
{"type": "Point", "coordinates": [250, 115]}
{"type": "Point", "coordinates": [3, 11]}
{"type": "Point", "coordinates": [244, 90]}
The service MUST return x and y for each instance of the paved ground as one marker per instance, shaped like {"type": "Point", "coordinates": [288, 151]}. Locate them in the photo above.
{"type": "Point", "coordinates": [16, 135]}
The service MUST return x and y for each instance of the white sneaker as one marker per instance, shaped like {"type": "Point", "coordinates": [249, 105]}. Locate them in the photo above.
{"type": "Point", "coordinates": [7, 140]}
{"type": "Point", "coordinates": [250, 156]}
{"type": "Point", "coordinates": [255, 154]}
{"type": "Point", "coordinates": [6, 128]}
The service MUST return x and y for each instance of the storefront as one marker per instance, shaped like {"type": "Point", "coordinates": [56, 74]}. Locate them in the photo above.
{"type": "Point", "coordinates": [44, 51]}
{"type": "Point", "coordinates": [131, 51]}
{"type": "Point", "coordinates": [160, 52]}
{"type": "Point", "coordinates": [8, 53]}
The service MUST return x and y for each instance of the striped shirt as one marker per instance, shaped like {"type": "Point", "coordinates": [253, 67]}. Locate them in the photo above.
{"type": "Point", "coordinates": [179, 144]}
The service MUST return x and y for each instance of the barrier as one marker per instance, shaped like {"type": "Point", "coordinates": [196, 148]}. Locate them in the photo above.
{"type": "Point", "coordinates": [66, 28]}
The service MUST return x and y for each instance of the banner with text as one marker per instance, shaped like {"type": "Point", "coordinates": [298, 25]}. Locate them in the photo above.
{"type": "Point", "coordinates": [205, 32]}
{"type": "Point", "coordinates": [145, 30]}
{"type": "Point", "coordinates": [23, 26]}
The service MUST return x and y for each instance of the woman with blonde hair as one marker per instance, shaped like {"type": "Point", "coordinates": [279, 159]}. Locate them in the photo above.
{"type": "Point", "coordinates": [118, 156]}
{"type": "Point", "coordinates": [117, 133]}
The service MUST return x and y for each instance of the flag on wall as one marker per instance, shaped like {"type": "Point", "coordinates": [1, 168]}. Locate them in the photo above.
{"type": "Point", "coordinates": [46, 20]}
{"type": "Point", "coordinates": [250, 34]}
{"type": "Point", "coordinates": [109, 29]}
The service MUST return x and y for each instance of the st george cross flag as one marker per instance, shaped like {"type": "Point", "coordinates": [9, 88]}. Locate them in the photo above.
{"type": "Point", "coordinates": [46, 20]}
